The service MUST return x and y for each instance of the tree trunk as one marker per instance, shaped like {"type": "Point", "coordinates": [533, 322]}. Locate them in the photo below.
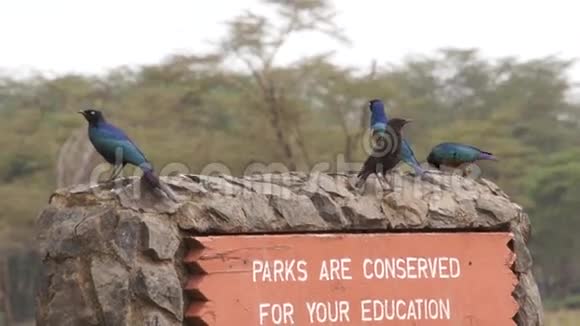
{"type": "Point", "coordinates": [277, 123]}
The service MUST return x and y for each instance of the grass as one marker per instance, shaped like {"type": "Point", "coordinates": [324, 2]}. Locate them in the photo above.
{"type": "Point", "coordinates": [564, 317]}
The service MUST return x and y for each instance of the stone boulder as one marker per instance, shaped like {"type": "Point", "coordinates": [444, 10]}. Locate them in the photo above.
{"type": "Point", "coordinates": [113, 254]}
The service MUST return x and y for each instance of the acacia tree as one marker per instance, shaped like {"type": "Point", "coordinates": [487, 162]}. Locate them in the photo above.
{"type": "Point", "coordinates": [255, 40]}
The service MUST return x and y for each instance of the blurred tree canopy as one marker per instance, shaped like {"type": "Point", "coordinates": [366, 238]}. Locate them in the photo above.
{"type": "Point", "coordinates": [195, 110]}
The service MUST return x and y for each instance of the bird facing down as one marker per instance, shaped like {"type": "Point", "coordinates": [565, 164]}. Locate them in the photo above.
{"type": "Point", "coordinates": [386, 152]}
{"type": "Point", "coordinates": [116, 147]}
{"type": "Point", "coordinates": [378, 124]}
{"type": "Point", "coordinates": [455, 154]}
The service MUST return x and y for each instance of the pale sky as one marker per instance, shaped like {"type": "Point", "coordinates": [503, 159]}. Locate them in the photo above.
{"type": "Point", "coordinates": [60, 36]}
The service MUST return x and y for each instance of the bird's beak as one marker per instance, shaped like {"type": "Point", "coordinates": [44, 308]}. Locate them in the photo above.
{"type": "Point", "coordinates": [408, 121]}
{"type": "Point", "coordinates": [81, 112]}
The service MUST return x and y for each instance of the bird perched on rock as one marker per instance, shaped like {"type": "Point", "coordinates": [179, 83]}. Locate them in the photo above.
{"type": "Point", "coordinates": [378, 124]}
{"type": "Point", "coordinates": [116, 147]}
{"type": "Point", "coordinates": [455, 154]}
{"type": "Point", "coordinates": [386, 153]}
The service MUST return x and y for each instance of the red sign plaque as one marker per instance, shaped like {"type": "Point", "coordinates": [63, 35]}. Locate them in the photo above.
{"type": "Point", "coordinates": [452, 279]}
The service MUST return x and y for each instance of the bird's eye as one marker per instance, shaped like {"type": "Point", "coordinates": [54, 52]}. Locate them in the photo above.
{"type": "Point", "coordinates": [92, 112]}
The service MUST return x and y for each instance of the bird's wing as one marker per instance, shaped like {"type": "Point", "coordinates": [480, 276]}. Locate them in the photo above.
{"type": "Point", "coordinates": [109, 131]}
{"type": "Point", "coordinates": [465, 146]}
{"type": "Point", "coordinates": [117, 137]}
{"type": "Point", "coordinates": [455, 154]}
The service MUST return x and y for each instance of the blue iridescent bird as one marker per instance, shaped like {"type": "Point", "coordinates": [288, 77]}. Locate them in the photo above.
{"type": "Point", "coordinates": [379, 123]}
{"type": "Point", "coordinates": [116, 147]}
{"type": "Point", "coordinates": [456, 154]}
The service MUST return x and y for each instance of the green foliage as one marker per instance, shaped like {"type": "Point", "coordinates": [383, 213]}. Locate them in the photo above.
{"type": "Point", "coordinates": [570, 302]}
{"type": "Point", "coordinates": [553, 188]}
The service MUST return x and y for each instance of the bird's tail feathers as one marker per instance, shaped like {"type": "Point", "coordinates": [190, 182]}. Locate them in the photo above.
{"type": "Point", "coordinates": [412, 162]}
{"type": "Point", "coordinates": [487, 156]}
{"type": "Point", "coordinates": [151, 178]}
{"type": "Point", "coordinates": [418, 169]}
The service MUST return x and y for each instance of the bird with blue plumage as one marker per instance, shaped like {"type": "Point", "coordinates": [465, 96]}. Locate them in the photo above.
{"type": "Point", "coordinates": [378, 123]}
{"type": "Point", "coordinates": [455, 155]}
{"type": "Point", "coordinates": [116, 147]}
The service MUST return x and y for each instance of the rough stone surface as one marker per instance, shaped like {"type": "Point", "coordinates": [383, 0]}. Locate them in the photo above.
{"type": "Point", "coordinates": [112, 253]}
{"type": "Point", "coordinates": [111, 281]}
{"type": "Point", "coordinates": [160, 239]}
{"type": "Point", "coordinates": [160, 285]}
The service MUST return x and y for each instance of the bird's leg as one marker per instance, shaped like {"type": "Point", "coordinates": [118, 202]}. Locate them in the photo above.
{"type": "Point", "coordinates": [119, 165]}
{"type": "Point", "coordinates": [380, 181]}
{"type": "Point", "coordinates": [384, 177]}
{"type": "Point", "coordinates": [116, 170]}
{"type": "Point", "coordinates": [112, 173]}
{"type": "Point", "coordinates": [120, 171]}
